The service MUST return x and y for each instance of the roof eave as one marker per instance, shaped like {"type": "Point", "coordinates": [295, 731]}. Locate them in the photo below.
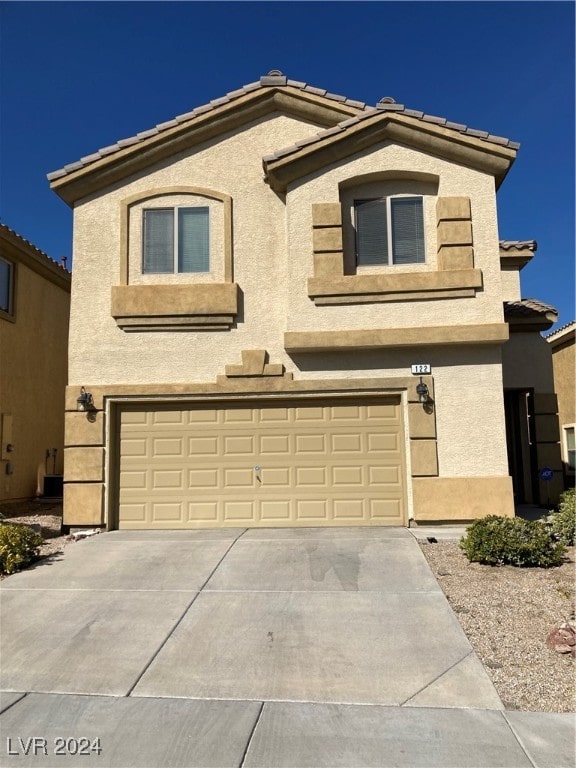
{"type": "Point", "coordinates": [517, 260]}
{"type": "Point", "coordinates": [121, 163]}
{"type": "Point", "coordinates": [536, 320]}
{"type": "Point", "coordinates": [402, 129]}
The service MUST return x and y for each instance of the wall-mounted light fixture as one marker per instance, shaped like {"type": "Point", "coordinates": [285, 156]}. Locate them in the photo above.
{"type": "Point", "coordinates": [422, 391]}
{"type": "Point", "coordinates": [85, 402]}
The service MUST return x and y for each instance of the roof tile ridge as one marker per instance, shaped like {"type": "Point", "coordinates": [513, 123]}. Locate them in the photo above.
{"type": "Point", "coordinates": [276, 81]}
{"type": "Point", "coordinates": [39, 251]}
{"type": "Point", "coordinates": [563, 328]}
{"type": "Point", "coordinates": [390, 106]}
{"type": "Point", "coordinates": [517, 245]}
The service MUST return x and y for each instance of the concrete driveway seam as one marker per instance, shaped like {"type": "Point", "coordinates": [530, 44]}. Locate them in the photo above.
{"type": "Point", "coordinates": [251, 736]}
{"type": "Point", "coordinates": [15, 699]}
{"type": "Point", "coordinates": [466, 655]}
{"type": "Point", "coordinates": [522, 746]}
{"type": "Point", "coordinates": [190, 604]}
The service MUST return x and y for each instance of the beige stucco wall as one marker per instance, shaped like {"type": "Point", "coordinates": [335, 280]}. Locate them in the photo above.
{"type": "Point", "coordinates": [272, 250]}
{"type": "Point", "coordinates": [511, 290]}
{"type": "Point", "coordinates": [33, 362]}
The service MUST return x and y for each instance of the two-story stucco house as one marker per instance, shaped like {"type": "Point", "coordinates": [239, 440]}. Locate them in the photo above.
{"type": "Point", "coordinates": [34, 313]}
{"type": "Point", "coordinates": [253, 282]}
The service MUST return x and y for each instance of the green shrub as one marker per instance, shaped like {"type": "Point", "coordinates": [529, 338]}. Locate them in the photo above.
{"type": "Point", "coordinates": [18, 547]}
{"type": "Point", "coordinates": [497, 540]}
{"type": "Point", "coordinates": [563, 522]}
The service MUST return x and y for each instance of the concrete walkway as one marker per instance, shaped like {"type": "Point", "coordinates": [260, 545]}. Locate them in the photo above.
{"type": "Point", "coordinates": [270, 647]}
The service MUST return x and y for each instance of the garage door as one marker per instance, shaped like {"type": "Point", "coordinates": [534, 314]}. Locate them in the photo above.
{"type": "Point", "coordinates": [325, 463]}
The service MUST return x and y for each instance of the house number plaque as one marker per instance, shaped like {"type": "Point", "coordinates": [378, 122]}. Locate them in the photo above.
{"type": "Point", "coordinates": [421, 368]}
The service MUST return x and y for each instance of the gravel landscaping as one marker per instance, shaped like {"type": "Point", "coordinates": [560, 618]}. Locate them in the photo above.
{"type": "Point", "coordinates": [505, 612]}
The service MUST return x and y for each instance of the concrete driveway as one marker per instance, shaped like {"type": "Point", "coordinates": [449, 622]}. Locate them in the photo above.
{"type": "Point", "coordinates": [248, 647]}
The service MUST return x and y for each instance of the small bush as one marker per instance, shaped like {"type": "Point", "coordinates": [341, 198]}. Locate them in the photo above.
{"type": "Point", "coordinates": [563, 522]}
{"type": "Point", "coordinates": [18, 547]}
{"type": "Point", "coordinates": [497, 540]}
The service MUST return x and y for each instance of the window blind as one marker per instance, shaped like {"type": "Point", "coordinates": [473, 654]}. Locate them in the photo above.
{"type": "Point", "coordinates": [407, 230]}
{"type": "Point", "coordinates": [371, 232]}
{"type": "Point", "coordinates": [193, 240]}
{"type": "Point", "coordinates": [158, 240]}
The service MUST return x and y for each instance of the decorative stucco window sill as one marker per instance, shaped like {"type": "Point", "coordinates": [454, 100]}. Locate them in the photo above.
{"type": "Point", "coordinates": [199, 307]}
{"type": "Point", "coordinates": [401, 286]}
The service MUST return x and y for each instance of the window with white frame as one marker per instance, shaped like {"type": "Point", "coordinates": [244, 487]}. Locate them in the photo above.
{"type": "Point", "coordinates": [389, 230]}
{"type": "Point", "coordinates": [6, 286]}
{"type": "Point", "coordinates": [175, 240]}
{"type": "Point", "coordinates": [570, 447]}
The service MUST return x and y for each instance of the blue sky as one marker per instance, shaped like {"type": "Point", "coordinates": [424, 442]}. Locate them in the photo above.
{"type": "Point", "coordinates": [75, 77]}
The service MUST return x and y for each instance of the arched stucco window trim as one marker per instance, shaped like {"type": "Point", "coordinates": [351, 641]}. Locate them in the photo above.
{"type": "Point", "coordinates": [158, 192]}
{"type": "Point", "coordinates": [200, 306]}
{"type": "Point", "coordinates": [391, 175]}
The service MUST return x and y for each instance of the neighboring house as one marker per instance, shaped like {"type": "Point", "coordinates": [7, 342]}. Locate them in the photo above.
{"type": "Point", "coordinates": [34, 315]}
{"type": "Point", "coordinates": [562, 343]}
{"type": "Point", "coordinates": [253, 282]}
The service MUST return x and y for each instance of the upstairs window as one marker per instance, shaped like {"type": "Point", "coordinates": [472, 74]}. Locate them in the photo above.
{"type": "Point", "coordinates": [6, 286]}
{"type": "Point", "coordinates": [389, 230]}
{"type": "Point", "coordinates": [175, 240]}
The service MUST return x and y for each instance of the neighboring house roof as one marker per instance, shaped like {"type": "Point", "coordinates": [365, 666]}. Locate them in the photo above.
{"type": "Point", "coordinates": [529, 315]}
{"type": "Point", "coordinates": [17, 247]}
{"type": "Point", "coordinates": [562, 335]}
{"type": "Point", "coordinates": [273, 92]}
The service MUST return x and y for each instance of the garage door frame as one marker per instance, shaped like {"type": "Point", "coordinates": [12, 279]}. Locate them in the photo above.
{"type": "Point", "coordinates": [115, 406]}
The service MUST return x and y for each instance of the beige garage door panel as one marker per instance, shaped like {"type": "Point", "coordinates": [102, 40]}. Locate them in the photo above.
{"type": "Point", "coordinates": [314, 464]}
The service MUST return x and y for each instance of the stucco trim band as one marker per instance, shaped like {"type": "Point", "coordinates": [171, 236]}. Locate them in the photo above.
{"type": "Point", "coordinates": [225, 387]}
{"type": "Point", "coordinates": [314, 341]}
{"type": "Point", "coordinates": [198, 305]}
{"type": "Point", "coordinates": [396, 286]}
{"type": "Point", "coordinates": [461, 498]}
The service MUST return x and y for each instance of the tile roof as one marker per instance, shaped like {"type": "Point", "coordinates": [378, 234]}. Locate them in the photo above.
{"type": "Point", "coordinates": [527, 308]}
{"type": "Point", "coordinates": [564, 330]}
{"type": "Point", "coordinates": [518, 245]}
{"type": "Point", "coordinates": [10, 234]}
{"type": "Point", "coordinates": [388, 105]}
{"type": "Point", "coordinates": [275, 78]}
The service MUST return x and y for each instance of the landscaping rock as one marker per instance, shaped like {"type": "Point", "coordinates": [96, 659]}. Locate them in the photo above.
{"type": "Point", "coordinates": [562, 639]}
